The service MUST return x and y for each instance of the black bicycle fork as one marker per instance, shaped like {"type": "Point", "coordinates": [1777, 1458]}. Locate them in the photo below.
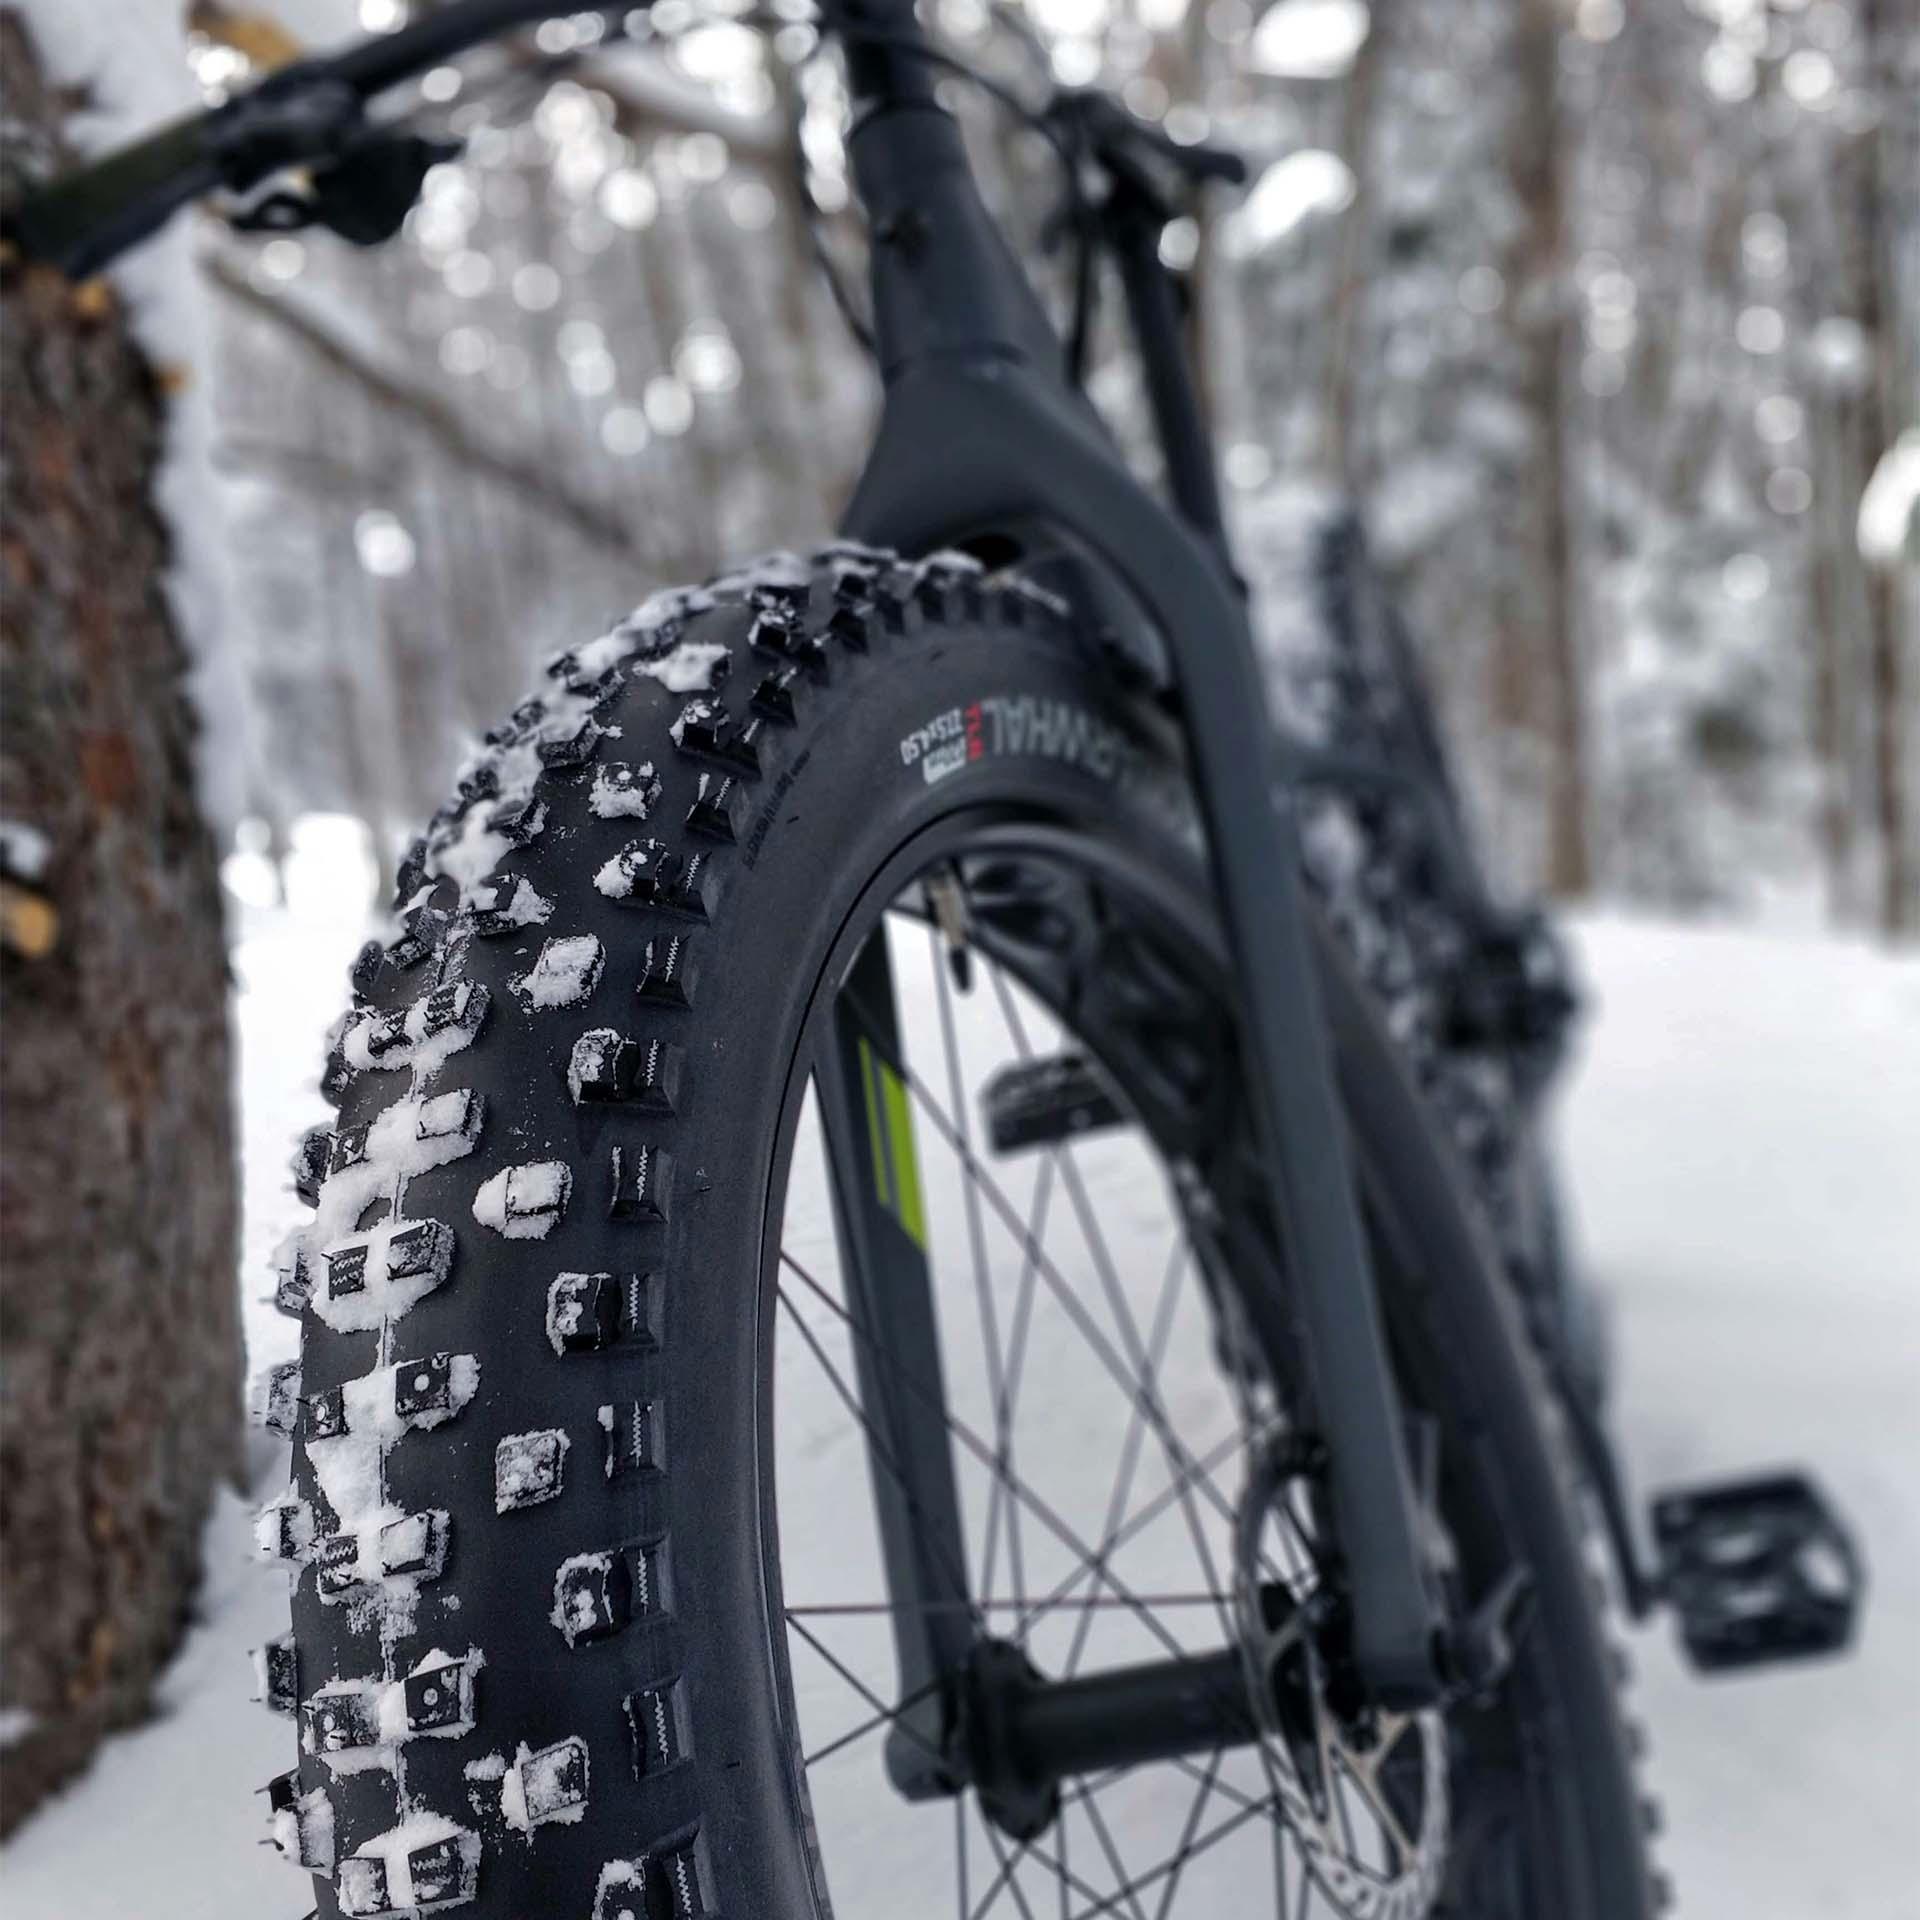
{"type": "Point", "coordinates": [979, 435]}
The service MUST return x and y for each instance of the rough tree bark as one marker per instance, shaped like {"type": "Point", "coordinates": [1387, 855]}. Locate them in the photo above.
{"type": "Point", "coordinates": [1552, 708]}
{"type": "Point", "coordinates": [1893, 217]}
{"type": "Point", "coordinates": [119, 1400]}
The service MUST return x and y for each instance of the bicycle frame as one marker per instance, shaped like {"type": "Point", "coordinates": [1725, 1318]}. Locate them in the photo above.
{"type": "Point", "coordinates": [973, 368]}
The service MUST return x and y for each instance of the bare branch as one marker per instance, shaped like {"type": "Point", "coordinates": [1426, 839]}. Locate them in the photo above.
{"type": "Point", "coordinates": [441, 423]}
{"type": "Point", "coordinates": [649, 98]}
{"type": "Point", "coordinates": [310, 471]}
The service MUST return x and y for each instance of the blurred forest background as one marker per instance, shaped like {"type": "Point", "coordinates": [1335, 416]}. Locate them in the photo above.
{"type": "Point", "coordinates": [1607, 315]}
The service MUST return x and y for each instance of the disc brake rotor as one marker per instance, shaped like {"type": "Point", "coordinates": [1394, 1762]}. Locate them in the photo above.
{"type": "Point", "coordinates": [1364, 1794]}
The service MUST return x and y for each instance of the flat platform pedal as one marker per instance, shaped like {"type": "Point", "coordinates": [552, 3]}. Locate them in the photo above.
{"type": "Point", "coordinates": [1040, 1103]}
{"type": "Point", "coordinates": [1757, 1571]}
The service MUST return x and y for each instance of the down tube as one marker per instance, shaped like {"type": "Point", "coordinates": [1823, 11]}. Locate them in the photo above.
{"type": "Point", "coordinates": [967, 445]}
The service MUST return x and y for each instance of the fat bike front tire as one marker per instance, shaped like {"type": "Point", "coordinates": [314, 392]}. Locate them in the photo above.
{"type": "Point", "coordinates": [534, 1661]}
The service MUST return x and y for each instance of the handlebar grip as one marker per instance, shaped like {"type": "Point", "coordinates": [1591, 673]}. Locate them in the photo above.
{"type": "Point", "coordinates": [1196, 159]}
{"type": "Point", "coordinates": [1123, 139]}
{"type": "Point", "coordinates": [83, 220]}
{"type": "Point", "coordinates": [1217, 163]}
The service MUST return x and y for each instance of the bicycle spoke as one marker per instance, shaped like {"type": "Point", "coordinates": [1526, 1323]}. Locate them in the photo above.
{"type": "Point", "coordinates": [1148, 1405]}
{"type": "Point", "coordinates": [1065, 1857]}
{"type": "Point", "coordinates": [1148, 1400]}
{"type": "Point", "coordinates": [1224, 1789]}
{"type": "Point", "coordinates": [1006, 1878]}
{"type": "Point", "coordinates": [1057, 1284]}
{"type": "Point", "coordinates": [983, 1453]}
{"type": "Point", "coordinates": [1146, 1408]}
{"type": "Point", "coordinates": [960, 1854]}
{"type": "Point", "coordinates": [1184, 1852]}
{"type": "Point", "coordinates": [1120, 1598]}
{"type": "Point", "coordinates": [1101, 1603]}
{"type": "Point", "coordinates": [1029, 1850]}
{"type": "Point", "coordinates": [860, 1687]}
{"type": "Point", "coordinates": [1191, 1848]}
{"type": "Point", "coordinates": [1097, 1563]}
{"type": "Point", "coordinates": [1279, 1837]}
{"type": "Point", "coordinates": [851, 1401]}
{"type": "Point", "coordinates": [1204, 1843]}
{"type": "Point", "coordinates": [1096, 1244]}
{"type": "Point", "coordinates": [882, 1717]}
{"type": "Point", "coordinates": [1016, 1373]}
{"type": "Point", "coordinates": [1098, 1822]}
{"type": "Point", "coordinates": [983, 1290]}
{"type": "Point", "coordinates": [1000, 1505]}
{"type": "Point", "coordinates": [1136, 1431]}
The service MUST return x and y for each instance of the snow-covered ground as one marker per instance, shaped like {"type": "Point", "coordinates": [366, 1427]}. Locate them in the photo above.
{"type": "Point", "coordinates": [1743, 1139]}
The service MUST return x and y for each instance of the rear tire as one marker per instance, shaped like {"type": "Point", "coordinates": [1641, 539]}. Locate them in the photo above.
{"type": "Point", "coordinates": [532, 1653]}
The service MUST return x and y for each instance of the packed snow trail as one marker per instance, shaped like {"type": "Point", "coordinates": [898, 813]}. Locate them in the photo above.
{"type": "Point", "coordinates": [1742, 1139]}
{"type": "Point", "coordinates": [1741, 1136]}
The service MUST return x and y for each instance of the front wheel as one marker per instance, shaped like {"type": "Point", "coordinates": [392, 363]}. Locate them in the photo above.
{"type": "Point", "coordinates": [793, 1155]}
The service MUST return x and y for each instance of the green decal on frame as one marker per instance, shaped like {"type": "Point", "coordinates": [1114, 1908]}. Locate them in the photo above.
{"type": "Point", "coordinates": [896, 1167]}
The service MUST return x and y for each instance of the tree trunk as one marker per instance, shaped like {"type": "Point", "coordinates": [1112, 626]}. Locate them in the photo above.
{"type": "Point", "coordinates": [1892, 218]}
{"type": "Point", "coordinates": [119, 1410]}
{"type": "Point", "coordinates": [1554, 713]}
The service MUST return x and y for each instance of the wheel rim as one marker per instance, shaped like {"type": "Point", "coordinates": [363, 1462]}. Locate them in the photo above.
{"type": "Point", "coordinates": [1101, 1523]}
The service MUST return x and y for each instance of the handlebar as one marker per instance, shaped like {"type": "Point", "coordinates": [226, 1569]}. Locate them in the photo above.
{"type": "Point", "coordinates": [312, 112]}
{"type": "Point", "coordinates": [1147, 156]}
{"type": "Point", "coordinates": [91, 216]}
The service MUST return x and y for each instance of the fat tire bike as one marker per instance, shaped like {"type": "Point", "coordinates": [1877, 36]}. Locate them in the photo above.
{"type": "Point", "coordinates": [917, 1302]}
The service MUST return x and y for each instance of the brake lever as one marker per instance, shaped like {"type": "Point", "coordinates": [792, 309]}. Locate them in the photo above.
{"type": "Point", "coordinates": [1197, 160]}
{"type": "Point", "coordinates": [364, 195]}
{"type": "Point", "coordinates": [363, 178]}
{"type": "Point", "coordinates": [1133, 149]}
